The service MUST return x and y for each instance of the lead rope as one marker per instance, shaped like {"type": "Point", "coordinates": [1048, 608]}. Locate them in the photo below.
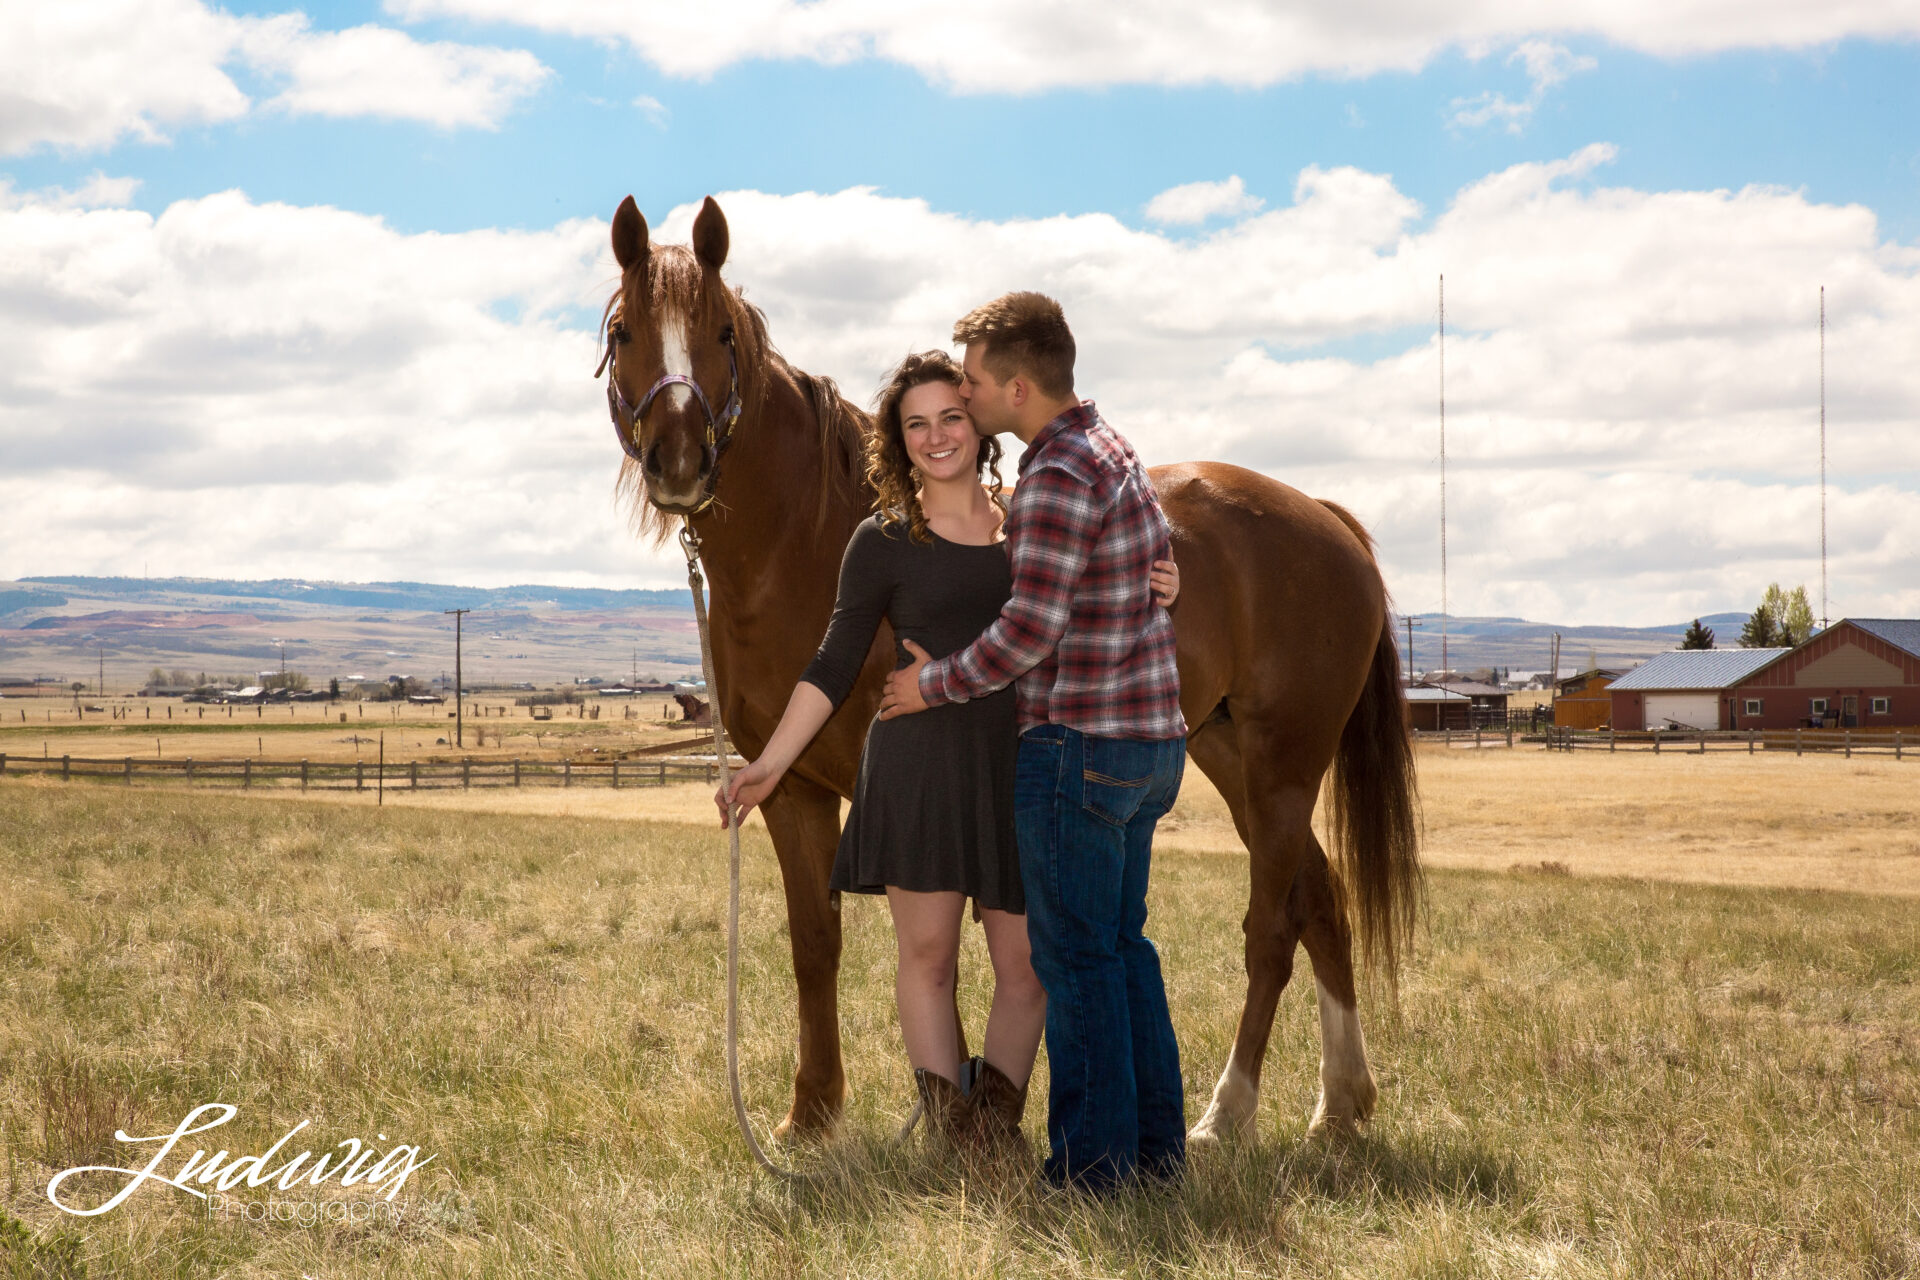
{"type": "Point", "coordinates": [696, 582]}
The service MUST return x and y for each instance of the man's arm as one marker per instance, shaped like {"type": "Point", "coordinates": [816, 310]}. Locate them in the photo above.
{"type": "Point", "coordinates": [1060, 521]}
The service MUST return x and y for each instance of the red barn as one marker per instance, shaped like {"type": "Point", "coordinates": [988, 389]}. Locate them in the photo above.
{"type": "Point", "coordinates": [1860, 673]}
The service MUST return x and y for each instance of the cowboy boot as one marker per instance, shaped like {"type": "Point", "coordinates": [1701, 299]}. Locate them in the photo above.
{"type": "Point", "coordinates": [948, 1111]}
{"type": "Point", "coordinates": [998, 1105]}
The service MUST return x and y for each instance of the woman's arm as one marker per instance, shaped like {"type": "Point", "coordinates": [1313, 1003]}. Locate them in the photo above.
{"type": "Point", "coordinates": [866, 590]}
{"type": "Point", "coordinates": [807, 710]}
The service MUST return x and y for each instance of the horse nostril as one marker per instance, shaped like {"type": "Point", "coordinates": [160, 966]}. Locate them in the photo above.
{"type": "Point", "coordinates": [651, 462]}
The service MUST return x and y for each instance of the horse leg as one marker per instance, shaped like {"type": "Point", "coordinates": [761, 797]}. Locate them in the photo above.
{"type": "Point", "coordinates": [804, 820]}
{"type": "Point", "coordinates": [1271, 821]}
{"type": "Point", "coordinates": [1346, 1082]}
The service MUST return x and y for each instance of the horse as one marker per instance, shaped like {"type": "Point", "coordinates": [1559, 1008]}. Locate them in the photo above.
{"type": "Point", "coordinates": [1289, 672]}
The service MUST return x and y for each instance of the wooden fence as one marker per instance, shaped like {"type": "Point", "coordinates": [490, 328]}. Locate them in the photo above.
{"type": "Point", "coordinates": [1845, 742]}
{"type": "Point", "coordinates": [368, 775]}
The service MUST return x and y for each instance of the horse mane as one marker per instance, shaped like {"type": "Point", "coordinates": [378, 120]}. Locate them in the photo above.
{"type": "Point", "coordinates": [842, 426]}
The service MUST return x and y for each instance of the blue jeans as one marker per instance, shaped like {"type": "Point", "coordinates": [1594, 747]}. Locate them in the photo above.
{"type": "Point", "coordinates": [1085, 810]}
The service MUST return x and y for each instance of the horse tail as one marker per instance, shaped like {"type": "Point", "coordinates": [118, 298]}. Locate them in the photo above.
{"type": "Point", "coordinates": [1374, 813]}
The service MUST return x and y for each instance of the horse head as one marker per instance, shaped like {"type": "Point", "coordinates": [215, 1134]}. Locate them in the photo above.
{"type": "Point", "coordinates": [672, 372]}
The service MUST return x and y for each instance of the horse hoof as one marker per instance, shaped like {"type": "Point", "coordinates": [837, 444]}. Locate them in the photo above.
{"type": "Point", "coordinates": [790, 1131]}
{"type": "Point", "coordinates": [1217, 1128]}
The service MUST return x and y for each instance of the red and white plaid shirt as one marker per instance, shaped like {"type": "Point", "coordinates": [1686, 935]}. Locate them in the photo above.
{"type": "Point", "coordinates": [1082, 634]}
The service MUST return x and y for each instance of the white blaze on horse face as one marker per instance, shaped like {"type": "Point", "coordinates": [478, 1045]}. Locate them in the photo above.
{"type": "Point", "coordinates": [1346, 1082]}
{"type": "Point", "coordinates": [676, 355]}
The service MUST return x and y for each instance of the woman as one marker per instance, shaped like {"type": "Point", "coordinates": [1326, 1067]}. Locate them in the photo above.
{"type": "Point", "coordinates": [931, 823]}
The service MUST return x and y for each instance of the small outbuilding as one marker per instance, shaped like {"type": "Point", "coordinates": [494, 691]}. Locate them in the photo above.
{"type": "Point", "coordinates": [1685, 688]}
{"type": "Point", "coordinates": [1431, 709]}
{"type": "Point", "coordinates": [1582, 701]}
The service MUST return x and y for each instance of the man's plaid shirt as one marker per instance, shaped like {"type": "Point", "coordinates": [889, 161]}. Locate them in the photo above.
{"type": "Point", "coordinates": [1081, 634]}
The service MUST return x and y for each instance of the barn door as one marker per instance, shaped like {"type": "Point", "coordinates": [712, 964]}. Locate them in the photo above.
{"type": "Point", "coordinates": [1850, 711]}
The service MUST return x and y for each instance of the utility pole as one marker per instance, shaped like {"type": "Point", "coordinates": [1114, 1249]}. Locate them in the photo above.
{"type": "Point", "coordinates": [1411, 624]}
{"type": "Point", "coordinates": [459, 723]}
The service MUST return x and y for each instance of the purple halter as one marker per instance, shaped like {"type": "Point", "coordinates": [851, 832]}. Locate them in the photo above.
{"type": "Point", "coordinates": [719, 426]}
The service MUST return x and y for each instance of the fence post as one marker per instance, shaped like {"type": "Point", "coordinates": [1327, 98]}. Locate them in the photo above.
{"type": "Point", "coordinates": [1796, 742]}
{"type": "Point", "coordinates": [1509, 733]}
{"type": "Point", "coordinates": [663, 773]}
{"type": "Point", "coordinates": [1476, 735]}
{"type": "Point", "coordinates": [1847, 738]}
{"type": "Point", "coordinates": [466, 773]}
{"type": "Point", "coordinates": [566, 774]}
{"type": "Point", "coordinates": [129, 770]}
{"type": "Point", "coordinates": [1750, 734]}
{"type": "Point", "coordinates": [1656, 742]}
{"type": "Point", "coordinates": [359, 775]}
{"type": "Point", "coordinates": [1896, 751]}
{"type": "Point", "coordinates": [303, 775]}
{"type": "Point", "coordinates": [189, 768]}
{"type": "Point", "coordinates": [413, 775]}
{"type": "Point", "coordinates": [516, 771]}
{"type": "Point", "coordinates": [3, 756]}
{"type": "Point", "coordinates": [616, 775]}
{"type": "Point", "coordinates": [66, 767]}
{"type": "Point", "coordinates": [1703, 742]}
{"type": "Point", "coordinates": [246, 774]}
{"type": "Point", "coordinates": [1611, 734]}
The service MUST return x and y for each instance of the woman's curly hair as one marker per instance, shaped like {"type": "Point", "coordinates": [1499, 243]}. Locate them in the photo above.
{"type": "Point", "coordinates": [895, 480]}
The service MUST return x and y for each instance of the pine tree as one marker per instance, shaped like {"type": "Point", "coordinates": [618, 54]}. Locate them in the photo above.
{"type": "Point", "coordinates": [1698, 637]}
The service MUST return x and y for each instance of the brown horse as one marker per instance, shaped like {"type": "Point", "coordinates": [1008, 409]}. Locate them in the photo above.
{"type": "Point", "coordinates": [1287, 663]}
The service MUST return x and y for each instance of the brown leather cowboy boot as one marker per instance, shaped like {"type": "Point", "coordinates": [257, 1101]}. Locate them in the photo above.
{"type": "Point", "coordinates": [948, 1112]}
{"type": "Point", "coordinates": [998, 1105]}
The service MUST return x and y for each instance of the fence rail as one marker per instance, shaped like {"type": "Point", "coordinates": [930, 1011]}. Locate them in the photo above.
{"type": "Point", "coordinates": [334, 775]}
{"type": "Point", "coordinates": [1845, 742]}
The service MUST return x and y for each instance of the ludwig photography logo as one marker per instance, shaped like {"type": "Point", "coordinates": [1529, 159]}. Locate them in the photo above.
{"type": "Point", "coordinates": [212, 1177]}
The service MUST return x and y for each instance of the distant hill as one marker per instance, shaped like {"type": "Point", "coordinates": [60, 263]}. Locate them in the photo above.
{"type": "Point", "coordinates": [69, 624]}
{"type": "Point", "coordinates": [361, 595]}
{"type": "Point", "coordinates": [1524, 645]}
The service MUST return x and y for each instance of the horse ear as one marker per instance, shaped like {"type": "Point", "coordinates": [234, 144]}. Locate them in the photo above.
{"type": "Point", "coordinates": [629, 234]}
{"type": "Point", "coordinates": [710, 236]}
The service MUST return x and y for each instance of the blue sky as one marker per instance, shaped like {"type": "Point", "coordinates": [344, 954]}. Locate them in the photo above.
{"type": "Point", "coordinates": [1840, 122]}
{"type": "Point", "coordinates": [1565, 180]}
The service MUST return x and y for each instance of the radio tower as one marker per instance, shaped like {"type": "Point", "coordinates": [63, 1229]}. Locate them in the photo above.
{"type": "Point", "coordinates": [1823, 457]}
{"type": "Point", "coordinates": [1444, 666]}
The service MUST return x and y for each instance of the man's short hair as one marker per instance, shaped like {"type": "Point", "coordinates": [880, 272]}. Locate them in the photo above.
{"type": "Point", "coordinates": [1023, 334]}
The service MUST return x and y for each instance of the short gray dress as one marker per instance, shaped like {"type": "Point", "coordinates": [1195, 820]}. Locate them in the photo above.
{"type": "Point", "coordinates": [933, 808]}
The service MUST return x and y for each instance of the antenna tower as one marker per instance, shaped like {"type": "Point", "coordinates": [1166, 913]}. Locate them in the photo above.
{"type": "Point", "coordinates": [1823, 457]}
{"type": "Point", "coordinates": [1444, 666]}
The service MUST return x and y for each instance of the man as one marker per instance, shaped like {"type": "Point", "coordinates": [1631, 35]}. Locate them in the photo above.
{"type": "Point", "coordinates": [1102, 747]}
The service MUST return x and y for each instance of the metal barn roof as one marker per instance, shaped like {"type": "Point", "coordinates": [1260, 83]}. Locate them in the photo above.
{"type": "Point", "coordinates": [1696, 669]}
{"type": "Point", "coordinates": [1426, 693]}
{"type": "Point", "coordinates": [1901, 633]}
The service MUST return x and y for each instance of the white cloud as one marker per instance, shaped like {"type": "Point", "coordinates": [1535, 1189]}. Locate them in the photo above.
{"type": "Point", "coordinates": [1197, 202]}
{"type": "Point", "coordinates": [371, 70]}
{"type": "Point", "coordinates": [1632, 379]}
{"type": "Point", "coordinates": [1547, 65]}
{"type": "Point", "coordinates": [97, 192]}
{"type": "Point", "coordinates": [1023, 46]}
{"type": "Point", "coordinates": [653, 109]}
{"type": "Point", "coordinates": [86, 76]}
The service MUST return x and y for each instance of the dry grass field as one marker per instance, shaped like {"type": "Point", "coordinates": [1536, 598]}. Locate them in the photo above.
{"type": "Point", "coordinates": [1603, 1073]}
